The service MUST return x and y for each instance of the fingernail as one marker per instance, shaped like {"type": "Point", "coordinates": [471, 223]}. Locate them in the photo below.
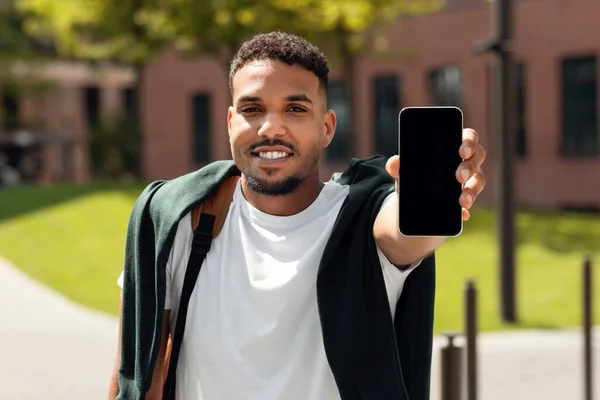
{"type": "Point", "coordinates": [464, 174]}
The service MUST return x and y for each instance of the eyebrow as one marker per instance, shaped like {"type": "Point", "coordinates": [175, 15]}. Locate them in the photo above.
{"type": "Point", "coordinates": [293, 97]}
{"type": "Point", "coordinates": [299, 97]}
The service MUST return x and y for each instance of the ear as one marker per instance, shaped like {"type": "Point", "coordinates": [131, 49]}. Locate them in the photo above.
{"type": "Point", "coordinates": [329, 124]}
{"type": "Point", "coordinates": [229, 116]}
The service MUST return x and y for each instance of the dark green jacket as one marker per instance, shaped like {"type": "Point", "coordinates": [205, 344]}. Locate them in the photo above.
{"type": "Point", "coordinates": [371, 356]}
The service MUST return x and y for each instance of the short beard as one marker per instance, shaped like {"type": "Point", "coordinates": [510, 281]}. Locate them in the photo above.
{"type": "Point", "coordinates": [280, 188]}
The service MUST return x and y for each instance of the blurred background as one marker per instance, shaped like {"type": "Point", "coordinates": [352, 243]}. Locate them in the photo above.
{"type": "Point", "coordinates": [100, 97]}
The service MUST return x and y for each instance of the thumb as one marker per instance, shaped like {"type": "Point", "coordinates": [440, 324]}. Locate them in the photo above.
{"type": "Point", "coordinates": [392, 166]}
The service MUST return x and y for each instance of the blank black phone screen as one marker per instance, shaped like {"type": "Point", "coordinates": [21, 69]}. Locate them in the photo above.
{"type": "Point", "coordinates": [428, 190]}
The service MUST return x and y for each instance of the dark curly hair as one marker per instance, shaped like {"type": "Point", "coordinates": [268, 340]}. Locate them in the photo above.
{"type": "Point", "coordinates": [289, 48]}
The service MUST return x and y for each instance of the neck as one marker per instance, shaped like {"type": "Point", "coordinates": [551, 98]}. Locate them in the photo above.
{"type": "Point", "coordinates": [293, 203]}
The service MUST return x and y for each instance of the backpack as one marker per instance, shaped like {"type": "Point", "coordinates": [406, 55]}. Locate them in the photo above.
{"type": "Point", "coordinates": [208, 218]}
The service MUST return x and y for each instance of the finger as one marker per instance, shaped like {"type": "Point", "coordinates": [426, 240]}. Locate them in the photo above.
{"type": "Point", "coordinates": [469, 143]}
{"type": "Point", "coordinates": [477, 182]}
{"type": "Point", "coordinates": [472, 188]}
{"type": "Point", "coordinates": [467, 168]}
{"type": "Point", "coordinates": [392, 166]}
{"type": "Point", "coordinates": [465, 214]}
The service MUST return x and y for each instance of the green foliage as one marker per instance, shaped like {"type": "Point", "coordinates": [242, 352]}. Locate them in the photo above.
{"type": "Point", "coordinates": [217, 27]}
{"type": "Point", "coordinates": [352, 27]}
{"type": "Point", "coordinates": [134, 30]}
{"type": "Point", "coordinates": [114, 150]}
{"type": "Point", "coordinates": [12, 40]}
{"type": "Point", "coordinates": [15, 44]}
{"type": "Point", "coordinates": [9, 91]}
{"type": "Point", "coordinates": [96, 29]}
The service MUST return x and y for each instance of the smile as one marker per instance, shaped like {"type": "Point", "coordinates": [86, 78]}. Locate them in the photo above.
{"type": "Point", "coordinates": [272, 155]}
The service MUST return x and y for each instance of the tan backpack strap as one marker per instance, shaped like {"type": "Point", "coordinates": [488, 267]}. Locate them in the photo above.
{"type": "Point", "coordinates": [217, 205]}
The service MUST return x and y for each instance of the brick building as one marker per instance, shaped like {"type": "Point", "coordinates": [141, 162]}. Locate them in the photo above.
{"type": "Point", "coordinates": [183, 110]}
{"type": "Point", "coordinates": [70, 97]}
{"type": "Point", "coordinates": [557, 45]}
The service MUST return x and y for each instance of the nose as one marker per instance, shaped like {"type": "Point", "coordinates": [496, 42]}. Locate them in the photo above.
{"type": "Point", "coordinates": [272, 126]}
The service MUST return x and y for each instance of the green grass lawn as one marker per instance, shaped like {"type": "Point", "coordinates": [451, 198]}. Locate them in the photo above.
{"type": "Point", "coordinates": [72, 239]}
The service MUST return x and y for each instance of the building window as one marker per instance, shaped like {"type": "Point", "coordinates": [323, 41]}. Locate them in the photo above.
{"type": "Point", "coordinates": [445, 86]}
{"type": "Point", "coordinates": [201, 127]}
{"type": "Point", "coordinates": [129, 101]}
{"type": "Point", "coordinates": [580, 107]}
{"type": "Point", "coordinates": [91, 101]}
{"type": "Point", "coordinates": [521, 117]}
{"type": "Point", "coordinates": [10, 106]}
{"type": "Point", "coordinates": [386, 96]}
{"type": "Point", "coordinates": [337, 100]}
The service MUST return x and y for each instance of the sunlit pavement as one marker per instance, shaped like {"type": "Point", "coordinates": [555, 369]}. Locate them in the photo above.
{"type": "Point", "coordinates": [51, 348]}
{"type": "Point", "coordinates": [528, 365]}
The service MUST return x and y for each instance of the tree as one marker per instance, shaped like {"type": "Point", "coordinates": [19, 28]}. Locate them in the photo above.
{"type": "Point", "coordinates": [134, 31]}
{"type": "Point", "coordinates": [13, 42]}
{"type": "Point", "coordinates": [16, 46]}
{"type": "Point", "coordinates": [217, 28]}
{"type": "Point", "coordinates": [94, 30]}
{"type": "Point", "coordinates": [127, 32]}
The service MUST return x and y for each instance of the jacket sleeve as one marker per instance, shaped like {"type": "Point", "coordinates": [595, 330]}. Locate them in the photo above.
{"type": "Point", "coordinates": [413, 324]}
{"type": "Point", "coordinates": [142, 301]}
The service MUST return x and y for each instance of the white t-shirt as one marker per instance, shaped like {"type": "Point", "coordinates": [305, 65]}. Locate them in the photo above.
{"type": "Point", "coordinates": [252, 330]}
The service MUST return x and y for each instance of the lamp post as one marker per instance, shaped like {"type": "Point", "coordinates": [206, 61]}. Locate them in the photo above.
{"type": "Point", "coordinates": [503, 123]}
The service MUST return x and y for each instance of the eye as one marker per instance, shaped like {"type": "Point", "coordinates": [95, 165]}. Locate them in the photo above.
{"type": "Point", "coordinates": [250, 110]}
{"type": "Point", "coordinates": [297, 109]}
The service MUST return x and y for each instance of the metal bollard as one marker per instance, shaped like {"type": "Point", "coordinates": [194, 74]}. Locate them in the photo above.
{"type": "Point", "coordinates": [471, 338]}
{"type": "Point", "coordinates": [587, 327]}
{"type": "Point", "coordinates": [451, 369]}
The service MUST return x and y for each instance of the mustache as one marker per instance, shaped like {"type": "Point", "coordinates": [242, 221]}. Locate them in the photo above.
{"type": "Point", "coordinates": [273, 142]}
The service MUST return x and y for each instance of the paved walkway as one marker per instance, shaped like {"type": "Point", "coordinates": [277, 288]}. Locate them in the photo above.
{"type": "Point", "coordinates": [51, 348]}
{"type": "Point", "coordinates": [529, 365]}
{"type": "Point", "coordinates": [54, 349]}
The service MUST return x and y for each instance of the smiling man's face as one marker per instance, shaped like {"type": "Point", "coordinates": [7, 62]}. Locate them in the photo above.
{"type": "Point", "coordinates": [278, 125]}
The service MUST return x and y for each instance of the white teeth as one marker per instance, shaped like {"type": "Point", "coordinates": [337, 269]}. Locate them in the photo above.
{"type": "Point", "coordinates": [272, 154]}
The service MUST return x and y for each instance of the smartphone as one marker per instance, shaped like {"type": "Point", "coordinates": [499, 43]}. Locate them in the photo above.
{"type": "Point", "coordinates": [429, 139]}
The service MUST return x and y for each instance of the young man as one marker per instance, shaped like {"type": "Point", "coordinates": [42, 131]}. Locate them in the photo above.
{"type": "Point", "coordinates": [309, 291]}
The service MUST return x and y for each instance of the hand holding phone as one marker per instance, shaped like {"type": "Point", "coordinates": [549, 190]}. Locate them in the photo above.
{"type": "Point", "coordinates": [429, 140]}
